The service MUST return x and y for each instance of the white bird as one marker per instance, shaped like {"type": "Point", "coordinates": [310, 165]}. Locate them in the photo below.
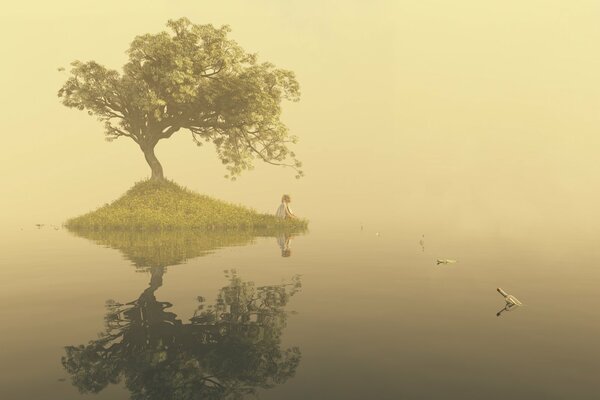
{"type": "Point", "coordinates": [446, 261]}
{"type": "Point", "coordinates": [510, 299]}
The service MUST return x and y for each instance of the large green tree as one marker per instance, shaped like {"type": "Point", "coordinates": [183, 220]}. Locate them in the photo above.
{"type": "Point", "coordinates": [195, 79]}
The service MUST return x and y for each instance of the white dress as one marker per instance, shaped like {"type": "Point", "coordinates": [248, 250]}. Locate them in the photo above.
{"type": "Point", "coordinates": [283, 211]}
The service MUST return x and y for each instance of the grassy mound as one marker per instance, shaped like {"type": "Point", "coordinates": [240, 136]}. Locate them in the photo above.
{"type": "Point", "coordinates": [160, 205]}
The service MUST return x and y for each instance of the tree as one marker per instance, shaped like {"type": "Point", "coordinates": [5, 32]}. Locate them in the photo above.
{"type": "Point", "coordinates": [191, 79]}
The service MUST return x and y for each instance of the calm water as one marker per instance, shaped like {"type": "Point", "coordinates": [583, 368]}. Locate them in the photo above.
{"type": "Point", "coordinates": [337, 313]}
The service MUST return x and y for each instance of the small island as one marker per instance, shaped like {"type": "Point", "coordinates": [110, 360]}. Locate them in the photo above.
{"type": "Point", "coordinates": [191, 78]}
{"type": "Point", "coordinates": [164, 205]}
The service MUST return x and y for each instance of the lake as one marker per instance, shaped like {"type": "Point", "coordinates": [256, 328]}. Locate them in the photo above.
{"type": "Point", "coordinates": [343, 311]}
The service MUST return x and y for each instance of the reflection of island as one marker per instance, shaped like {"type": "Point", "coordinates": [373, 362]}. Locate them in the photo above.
{"type": "Point", "coordinates": [225, 351]}
{"type": "Point", "coordinates": [148, 249]}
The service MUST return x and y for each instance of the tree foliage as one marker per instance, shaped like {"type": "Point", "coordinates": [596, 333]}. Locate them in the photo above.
{"type": "Point", "coordinates": [192, 78]}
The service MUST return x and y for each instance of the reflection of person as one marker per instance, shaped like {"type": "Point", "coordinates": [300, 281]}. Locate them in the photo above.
{"type": "Point", "coordinates": [284, 210]}
{"type": "Point", "coordinates": [284, 244]}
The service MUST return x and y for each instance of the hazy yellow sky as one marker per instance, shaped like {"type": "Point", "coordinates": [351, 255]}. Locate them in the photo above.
{"type": "Point", "coordinates": [474, 114]}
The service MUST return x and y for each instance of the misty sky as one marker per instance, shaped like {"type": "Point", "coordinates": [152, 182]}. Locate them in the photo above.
{"type": "Point", "coordinates": [469, 114]}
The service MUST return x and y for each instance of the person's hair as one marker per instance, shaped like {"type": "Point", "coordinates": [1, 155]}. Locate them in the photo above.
{"type": "Point", "coordinates": [285, 198]}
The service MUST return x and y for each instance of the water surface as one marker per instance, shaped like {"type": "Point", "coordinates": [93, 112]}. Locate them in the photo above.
{"type": "Point", "coordinates": [345, 312]}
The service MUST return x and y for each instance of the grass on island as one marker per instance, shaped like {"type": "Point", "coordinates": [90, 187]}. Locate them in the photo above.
{"type": "Point", "coordinates": [161, 205]}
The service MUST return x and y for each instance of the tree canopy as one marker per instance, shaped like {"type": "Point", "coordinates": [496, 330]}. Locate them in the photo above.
{"type": "Point", "coordinates": [192, 78]}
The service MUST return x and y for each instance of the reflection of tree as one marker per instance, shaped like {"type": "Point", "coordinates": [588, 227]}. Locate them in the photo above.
{"type": "Point", "coordinates": [163, 248]}
{"type": "Point", "coordinates": [227, 349]}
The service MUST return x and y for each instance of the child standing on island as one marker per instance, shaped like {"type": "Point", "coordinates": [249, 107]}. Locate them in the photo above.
{"type": "Point", "coordinates": [284, 210]}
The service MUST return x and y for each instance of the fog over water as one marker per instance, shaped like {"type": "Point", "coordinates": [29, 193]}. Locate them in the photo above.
{"type": "Point", "coordinates": [428, 130]}
{"type": "Point", "coordinates": [470, 115]}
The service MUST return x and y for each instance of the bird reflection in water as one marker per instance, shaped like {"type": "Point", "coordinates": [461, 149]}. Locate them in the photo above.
{"type": "Point", "coordinates": [227, 350]}
{"type": "Point", "coordinates": [507, 307]}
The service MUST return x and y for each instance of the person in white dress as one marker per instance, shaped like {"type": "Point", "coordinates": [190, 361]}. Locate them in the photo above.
{"type": "Point", "coordinates": [284, 211]}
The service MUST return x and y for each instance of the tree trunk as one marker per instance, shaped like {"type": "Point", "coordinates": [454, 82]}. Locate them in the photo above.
{"type": "Point", "coordinates": [157, 170]}
{"type": "Point", "coordinates": [156, 277]}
